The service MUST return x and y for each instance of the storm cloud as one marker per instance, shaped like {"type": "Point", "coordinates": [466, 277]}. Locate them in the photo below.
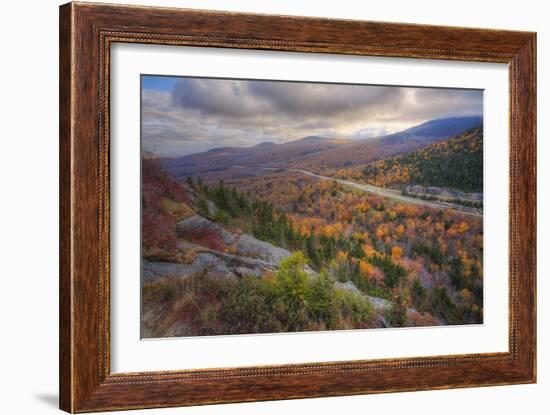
{"type": "Point", "coordinates": [197, 114]}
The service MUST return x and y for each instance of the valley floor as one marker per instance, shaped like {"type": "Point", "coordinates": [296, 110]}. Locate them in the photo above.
{"type": "Point", "coordinates": [393, 194]}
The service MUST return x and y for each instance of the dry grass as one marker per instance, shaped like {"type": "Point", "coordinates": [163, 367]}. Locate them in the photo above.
{"type": "Point", "coordinates": [179, 210]}
{"type": "Point", "coordinates": [179, 256]}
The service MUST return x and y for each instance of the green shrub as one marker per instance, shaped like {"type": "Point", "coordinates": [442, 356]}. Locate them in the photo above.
{"type": "Point", "coordinates": [353, 310]}
{"type": "Point", "coordinates": [247, 306]}
{"type": "Point", "coordinates": [291, 300]}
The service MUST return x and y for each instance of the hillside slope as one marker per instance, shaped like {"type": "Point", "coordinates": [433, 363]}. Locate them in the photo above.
{"type": "Point", "coordinates": [454, 163]}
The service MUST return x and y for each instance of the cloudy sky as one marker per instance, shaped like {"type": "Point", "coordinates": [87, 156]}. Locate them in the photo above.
{"type": "Point", "coordinates": [182, 115]}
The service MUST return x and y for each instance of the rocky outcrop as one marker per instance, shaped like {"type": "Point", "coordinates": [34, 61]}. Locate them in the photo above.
{"type": "Point", "coordinates": [219, 264]}
{"type": "Point", "coordinates": [244, 248]}
{"type": "Point", "coordinates": [215, 250]}
{"type": "Point", "coordinates": [241, 243]}
{"type": "Point", "coordinates": [197, 224]}
{"type": "Point", "coordinates": [249, 246]}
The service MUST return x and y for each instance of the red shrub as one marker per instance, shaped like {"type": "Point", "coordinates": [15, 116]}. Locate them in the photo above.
{"type": "Point", "coordinates": [206, 237]}
{"type": "Point", "coordinates": [158, 227]}
{"type": "Point", "coordinates": [158, 230]}
{"type": "Point", "coordinates": [153, 176]}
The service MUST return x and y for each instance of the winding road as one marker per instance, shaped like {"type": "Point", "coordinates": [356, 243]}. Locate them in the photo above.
{"type": "Point", "coordinates": [389, 193]}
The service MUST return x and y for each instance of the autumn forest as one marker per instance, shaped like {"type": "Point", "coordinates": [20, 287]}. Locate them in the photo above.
{"type": "Point", "coordinates": [316, 233]}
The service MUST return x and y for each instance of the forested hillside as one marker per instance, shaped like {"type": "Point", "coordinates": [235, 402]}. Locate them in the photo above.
{"type": "Point", "coordinates": [279, 250]}
{"type": "Point", "coordinates": [411, 255]}
{"type": "Point", "coordinates": [454, 163]}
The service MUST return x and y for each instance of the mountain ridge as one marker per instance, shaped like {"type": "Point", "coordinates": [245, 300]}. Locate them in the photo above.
{"type": "Point", "coordinates": [319, 153]}
{"type": "Point", "coordinates": [378, 148]}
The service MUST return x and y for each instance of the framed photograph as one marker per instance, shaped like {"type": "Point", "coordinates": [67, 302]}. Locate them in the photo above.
{"type": "Point", "coordinates": [260, 207]}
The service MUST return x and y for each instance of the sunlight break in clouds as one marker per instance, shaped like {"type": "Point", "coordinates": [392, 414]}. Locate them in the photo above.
{"type": "Point", "coordinates": [183, 115]}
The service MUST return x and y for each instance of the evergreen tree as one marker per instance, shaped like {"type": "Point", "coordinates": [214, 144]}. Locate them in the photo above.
{"type": "Point", "coordinates": [311, 250]}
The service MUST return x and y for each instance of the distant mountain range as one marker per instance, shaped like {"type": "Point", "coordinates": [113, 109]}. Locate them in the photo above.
{"type": "Point", "coordinates": [318, 154]}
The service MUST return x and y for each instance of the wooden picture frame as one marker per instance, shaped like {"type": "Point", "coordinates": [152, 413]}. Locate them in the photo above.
{"type": "Point", "coordinates": [86, 33]}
